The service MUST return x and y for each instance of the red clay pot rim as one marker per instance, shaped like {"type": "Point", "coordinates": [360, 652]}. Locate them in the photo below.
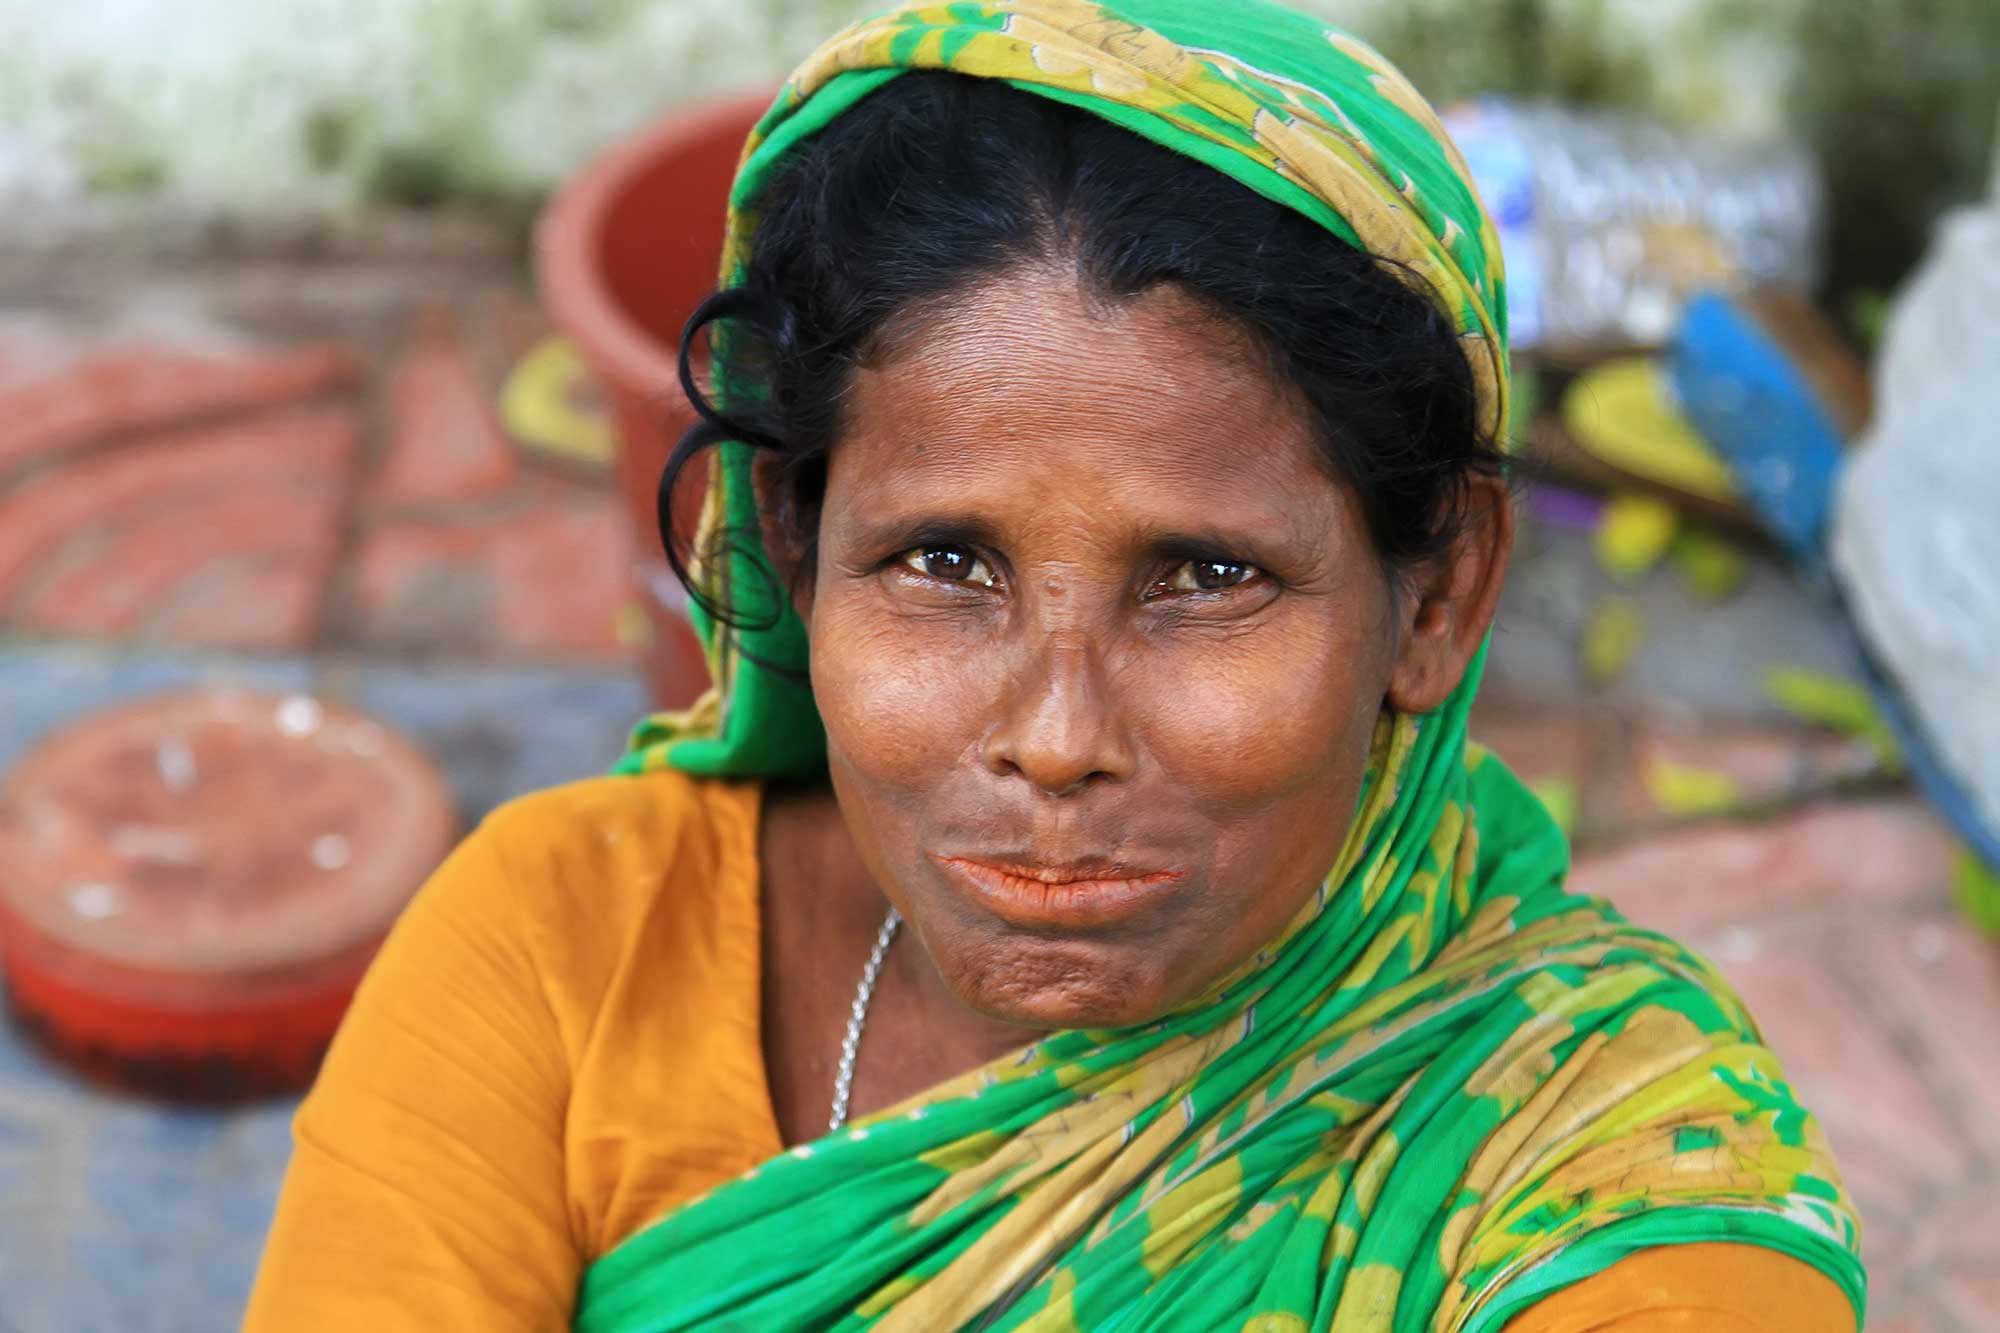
{"type": "Point", "coordinates": [297, 938]}
{"type": "Point", "coordinates": [573, 287]}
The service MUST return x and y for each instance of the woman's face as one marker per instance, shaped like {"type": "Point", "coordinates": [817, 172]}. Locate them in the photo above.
{"type": "Point", "coordinates": [1098, 643]}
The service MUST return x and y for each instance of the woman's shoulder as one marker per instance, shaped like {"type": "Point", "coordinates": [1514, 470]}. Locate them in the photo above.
{"type": "Point", "coordinates": [659, 822]}
{"type": "Point", "coordinates": [587, 874]}
{"type": "Point", "coordinates": [515, 1012]}
{"type": "Point", "coordinates": [636, 901]}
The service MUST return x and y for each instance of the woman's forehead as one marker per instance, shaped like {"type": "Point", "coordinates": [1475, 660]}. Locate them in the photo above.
{"type": "Point", "coordinates": [1029, 383]}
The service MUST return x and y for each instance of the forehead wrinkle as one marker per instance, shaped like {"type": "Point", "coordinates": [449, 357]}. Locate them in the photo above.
{"type": "Point", "coordinates": [986, 374]}
{"type": "Point", "coordinates": [1001, 386]}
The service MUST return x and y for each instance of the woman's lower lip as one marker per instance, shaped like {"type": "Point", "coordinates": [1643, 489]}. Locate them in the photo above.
{"type": "Point", "coordinates": [1077, 905]}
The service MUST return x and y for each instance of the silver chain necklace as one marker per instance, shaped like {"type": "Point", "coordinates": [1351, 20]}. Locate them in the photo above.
{"type": "Point", "coordinates": [857, 1018]}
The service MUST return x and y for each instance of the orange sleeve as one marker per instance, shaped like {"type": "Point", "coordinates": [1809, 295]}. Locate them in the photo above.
{"type": "Point", "coordinates": [426, 1189]}
{"type": "Point", "coordinates": [1716, 1288]}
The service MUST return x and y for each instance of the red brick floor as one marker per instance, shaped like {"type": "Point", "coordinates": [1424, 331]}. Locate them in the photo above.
{"type": "Point", "coordinates": [310, 494]}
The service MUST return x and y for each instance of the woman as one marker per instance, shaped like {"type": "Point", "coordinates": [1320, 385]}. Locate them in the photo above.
{"type": "Point", "coordinates": [1104, 538]}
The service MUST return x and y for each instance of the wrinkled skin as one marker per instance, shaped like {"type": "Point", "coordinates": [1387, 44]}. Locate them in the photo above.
{"type": "Point", "coordinates": [1085, 590]}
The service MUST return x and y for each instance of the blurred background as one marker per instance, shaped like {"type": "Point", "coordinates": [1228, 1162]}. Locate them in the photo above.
{"type": "Point", "coordinates": [333, 384]}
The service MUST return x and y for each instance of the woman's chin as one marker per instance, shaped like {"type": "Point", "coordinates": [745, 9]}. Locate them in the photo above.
{"type": "Point", "coordinates": [1062, 1013]}
{"type": "Point", "coordinates": [1052, 985]}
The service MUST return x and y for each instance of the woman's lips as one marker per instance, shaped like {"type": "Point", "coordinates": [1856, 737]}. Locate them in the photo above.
{"type": "Point", "coordinates": [1073, 897]}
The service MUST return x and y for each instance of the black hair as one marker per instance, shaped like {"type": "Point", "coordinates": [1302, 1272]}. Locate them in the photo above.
{"type": "Point", "coordinates": [936, 181]}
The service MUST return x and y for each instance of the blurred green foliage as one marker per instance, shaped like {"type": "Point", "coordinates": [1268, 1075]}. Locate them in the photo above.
{"type": "Point", "coordinates": [1898, 100]}
{"type": "Point", "coordinates": [1578, 53]}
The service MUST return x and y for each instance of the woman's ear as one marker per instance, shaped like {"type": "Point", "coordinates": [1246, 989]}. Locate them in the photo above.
{"type": "Point", "coordinates": [776, 527]}
{"type": "Point", "coordinates": [1452, 602]}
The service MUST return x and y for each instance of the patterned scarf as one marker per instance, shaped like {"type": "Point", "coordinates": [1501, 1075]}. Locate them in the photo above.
{"type": "Point", "coordinates": [1448, 1089]}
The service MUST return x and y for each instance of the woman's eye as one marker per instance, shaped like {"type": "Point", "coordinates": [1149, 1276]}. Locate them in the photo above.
{"type": "Point", "coordinates": [951, 564]}
{"type": "Point", "coordinates": [1209, 576]}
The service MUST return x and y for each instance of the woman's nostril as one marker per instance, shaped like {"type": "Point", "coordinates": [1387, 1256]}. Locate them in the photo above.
{"type": "Point", "coordinates": [1061, 737]}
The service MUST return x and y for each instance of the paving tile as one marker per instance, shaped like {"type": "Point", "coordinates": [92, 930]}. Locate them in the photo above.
{"type": "Point", "coordinates": [1710, 657]}
{"type": "Point", "coordinates": [129, 1183]}
{"type": "Point", "coordinates": [1973, 1297]}
{"type": "Point", "coordinates": [1946, 977]}
{"type": "Point", "coordinates": [1962, 1234]}
{"type": "Point", "coordinates": [1544, 748]}
{"type": "Point", "coordinates": [19, 1173]}
{"type": "Point", "coordinates": [131, 1277]}
{"type": "Point", "coordinates": [1889, 1134]}
{"type": "Point", "coordinates": [1668, 771]}
{"type": "Point", "coordinates": [24, 1074]}
{"type": "Point", "coordinates": [545, 580]}
{"type": "Point", "coordinates": [223, 1276]}
{"type": "Point", "coordinates": [87, 499]}
{"type": "Point", "coordinates": [182, 1135]}
{"type": "Point", "coordinates": [1896, 1321]}
{"type": "Point", "coordinates": [500, 732]}
{"type": "Point", "coordinates": [509, 323]}
{"type": "Point", "coordinates": [264, 603]}
{"type": "Point", "coordinates": [261, 1134]}
{"type": "Point", "coordinates": [32, 349]}
{"type": "Point", "coordinates": [128, 389]}
{"type": "Point", "coordinates": [445, 445]}
{"type": "Point", "coordinates": [21, 1137]}
{"type": "Point", "coordinates": [1961, 1255]}
{"type": "Point", "coordinates": [1900, 1292]}
{"type": "Point", "coordinates": [110, 586]}
{"type": "Point", "coordinates": [241, 1209]}
{"type": "Point", "coordinates": [1884, 1195]}
{"type": "Point", "coordinates": [26, 1279]}
{"type": "Point", "coordinates": [126, 1215]}
{"type": "Point", "coordinates": [45, 685]}
{"type": "Point", "coordinates": [1891, 853]}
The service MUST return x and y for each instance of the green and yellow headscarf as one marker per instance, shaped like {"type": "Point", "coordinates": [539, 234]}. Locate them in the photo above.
{"type": "Point", "coordinates": [1447, 1090]}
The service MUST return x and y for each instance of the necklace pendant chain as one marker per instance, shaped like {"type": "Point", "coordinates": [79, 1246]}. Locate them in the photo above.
{"type": "Point", "coordinates": [857, 1018]}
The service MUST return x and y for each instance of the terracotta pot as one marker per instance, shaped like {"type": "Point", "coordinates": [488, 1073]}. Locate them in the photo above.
{"type": "Point", "coordinates": [625, 252]}
{"type": "Point", "coordinates": [192, 884]}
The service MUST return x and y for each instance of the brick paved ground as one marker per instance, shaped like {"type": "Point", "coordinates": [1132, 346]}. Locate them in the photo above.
{"type": "Point", "coordinates": [317, 493]}
{"type": "Point", "coordinates": [291, 475]}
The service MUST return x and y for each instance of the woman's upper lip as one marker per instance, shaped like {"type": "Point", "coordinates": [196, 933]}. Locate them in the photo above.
{"type": "Point", "coordinates": [1075, 871]}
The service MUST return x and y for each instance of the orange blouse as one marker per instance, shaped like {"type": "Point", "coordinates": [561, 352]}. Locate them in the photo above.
{"type": "Point", "coordinates": [560, 1041]}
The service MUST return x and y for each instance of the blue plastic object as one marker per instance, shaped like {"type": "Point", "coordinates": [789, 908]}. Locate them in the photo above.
{"type": "Point", "coordinates": [1747, 398]}
{"type": "Point", "coordinates": [1742, 392]}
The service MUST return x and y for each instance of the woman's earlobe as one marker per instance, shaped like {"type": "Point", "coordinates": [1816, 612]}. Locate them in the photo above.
{"type": "Point", "coordinates": [776, 531]}
{"type": "Point", "coordinates": [1423, 676]}
{"type": "Point", "coordinates": [1455, 602]}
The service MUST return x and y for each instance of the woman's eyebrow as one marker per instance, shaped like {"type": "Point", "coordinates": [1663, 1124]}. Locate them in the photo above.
{"type": "Point", "coordinates": [1269, 533]}
{"type": "Point", "coordinates": [1205, 544]}
{"type": "Point", "coordinates": [914, 528]}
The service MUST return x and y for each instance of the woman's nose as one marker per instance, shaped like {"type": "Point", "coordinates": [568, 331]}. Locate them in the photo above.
{"type": "Point", "coordinates": [1059, 728]}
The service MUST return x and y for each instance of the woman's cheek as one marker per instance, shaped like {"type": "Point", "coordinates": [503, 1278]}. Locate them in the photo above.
{"type": "Point", "coordinates": [901, 701]}
{"type": "Point", "coordinates": [1253, 720]}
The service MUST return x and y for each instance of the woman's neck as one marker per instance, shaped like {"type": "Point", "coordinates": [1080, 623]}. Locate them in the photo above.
{"type": "Point", "coordinates": [821, 912]}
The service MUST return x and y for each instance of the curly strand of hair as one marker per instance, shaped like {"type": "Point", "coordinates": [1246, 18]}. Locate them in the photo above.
{"type": "Point", "coordinates": [727, 549]}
